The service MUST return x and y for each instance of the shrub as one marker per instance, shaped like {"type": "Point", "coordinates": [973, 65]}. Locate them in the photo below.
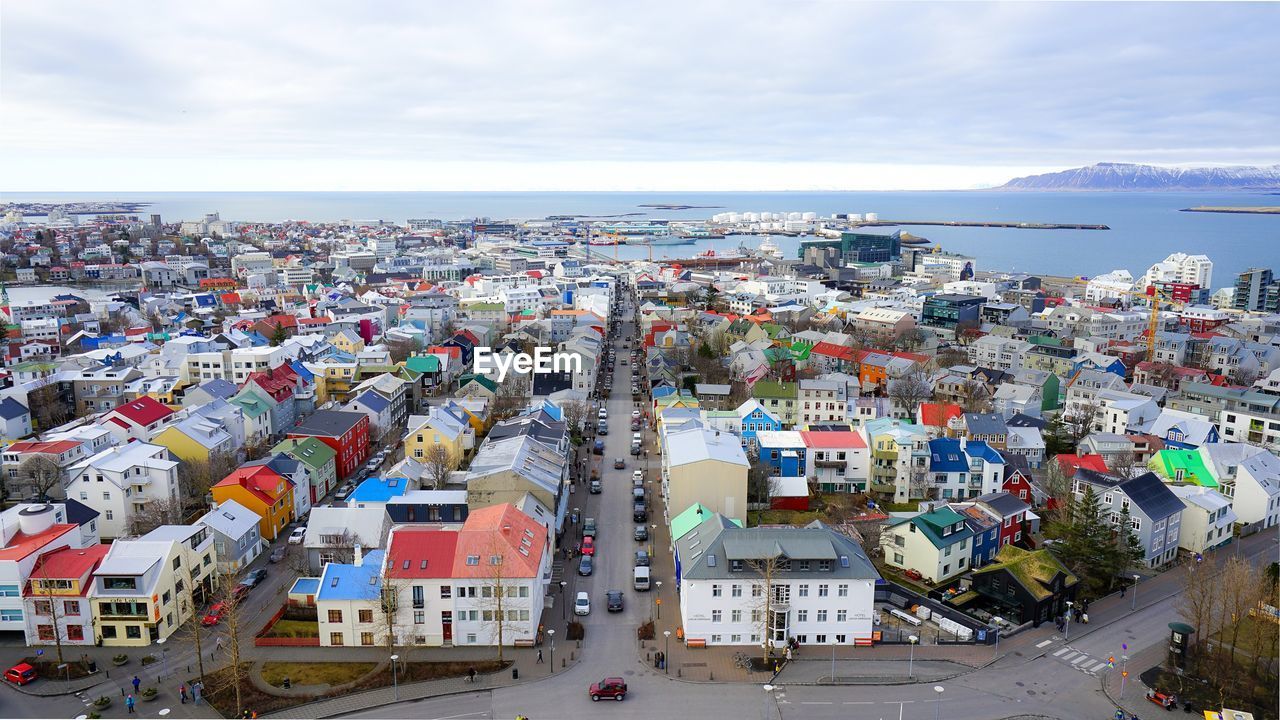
{"type": "Point", "coordinates": [576, 631]}
{"type": "Point", "coordinates": [646, 631]}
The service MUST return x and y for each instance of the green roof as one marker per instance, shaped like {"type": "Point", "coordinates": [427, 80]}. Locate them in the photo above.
{"type": "Point", "coordinates": [777, 354]}
{"type": "Point", "coordinates": [463, 380]}
{"type": "Point", "coordinates": [774, 389]}
{"type": "Point", "coordinates": [1044, 340]}
{"type": "Point", "coordinates": [1033, 569]}
{"type": "Point", "coordinates": [309, 451]}
{"type": "Point", "coordinates": [1168, 462]}
{"type": "Point", "coordinates": [800, 349]}
{"type": "Point", "coordinates": [252, 406]}
{"type": "Point", "coordinates": [690, 519]}
{"type": "Point", "coordinates": [423, 363]}
{"type": "Point", "coordinates": [772, 329]}
{"type": "Point", "coordinates": [486, 307]}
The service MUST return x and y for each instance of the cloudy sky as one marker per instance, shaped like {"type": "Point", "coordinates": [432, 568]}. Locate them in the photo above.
{"type": "Point", "coordinates": [609, 95]}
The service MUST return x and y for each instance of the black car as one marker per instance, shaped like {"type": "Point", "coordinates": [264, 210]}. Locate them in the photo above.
{"type": "Point", "coordinates": [639, 512]}
{"type": "Point", "coordinates": [642, 558]}
{"type": "Point", "coordinates": [613, 600]}
{"type": "Point", "coordinates": [254, 577]}
{"type": "Point", "coordinates": [642, 533]}
{"type": "Point", "coordinates": [619, 463]}
{"type": "Point", "coordinates": [585, 565]}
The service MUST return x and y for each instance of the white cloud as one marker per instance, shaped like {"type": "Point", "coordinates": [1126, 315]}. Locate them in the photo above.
{"type": "Point", "coordinates": [508, 95]}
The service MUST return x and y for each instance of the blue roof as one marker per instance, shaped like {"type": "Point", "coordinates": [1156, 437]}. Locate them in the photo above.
{"type": "Point", "coordinates": [663, 391]}
{"type": "Point", "coordinates": [206, 301]}
{"type": "Point", "coordinates": [980, 448]}
{"type": "Point", "coordinates": [373, 401]}
{"type": "Point", "coordinates": [379, 490]}
{"type": "Point", "coordinates": [302, 371]}
{"type": "Point", "coordinates": [945, 454]}
{"type": "Point", "coordinates": [305, 586]}
{"type": "Point", "coordinates": [553, 410]}
{"type": "Point", "coordinates": [341, 581]}
{"type": "Point", "coordinates": [11, 409]}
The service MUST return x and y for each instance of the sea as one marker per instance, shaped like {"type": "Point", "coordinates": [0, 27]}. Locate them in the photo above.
{"type": "Point", "coordinates": [1145, 226]}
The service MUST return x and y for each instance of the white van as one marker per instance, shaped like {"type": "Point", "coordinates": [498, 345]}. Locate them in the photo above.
{"type": "Point", "coordinates": [641, 578]}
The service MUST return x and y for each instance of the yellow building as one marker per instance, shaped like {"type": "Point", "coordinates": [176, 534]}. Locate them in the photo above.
{"type": "Point", "coordinates": [347, 341]}
{"type": "Point", "coordinates": [707, 467]}
{"type": "Point", "coordinates": [263, 491]}
{"type": "Point", "coordinates": [448, 426]}
{"type": "Point", "coordinates": [195, 439]}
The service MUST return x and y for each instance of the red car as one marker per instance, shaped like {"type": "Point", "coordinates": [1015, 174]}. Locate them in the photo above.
{"type": "Point", "coordinates": [20, 674]}
{"type": "Point", "coordinates": [610, 687]}
{"type": "Point", "coordinates": [214, 616]}
{"type": "Point", "coordinates": [588, 546]}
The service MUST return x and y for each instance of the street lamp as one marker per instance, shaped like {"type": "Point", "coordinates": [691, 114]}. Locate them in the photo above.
{"type": "Point", "coordinates": [164, 655]}
{"type": "Point", "coordinates": [1066, 627]}
{"type": "Point", "coordinates": [395, 680]}
{"type": "Point", "coordinates": [666, 654]}
{"type": "Point", "coordinates": [911, 659]}
{"type": "Point", "coordinates": [552, 633]}
{"type": "Point", "coordinates": [656, 601]}
{"type": "Point", "coordinates": [562, 604]}
{"type": "Point", "coordinates": [937, 713]}
{"type": "Point", "coordinates": [1133, 604]}
{"type": "Point", "coordinates": [995, 624]}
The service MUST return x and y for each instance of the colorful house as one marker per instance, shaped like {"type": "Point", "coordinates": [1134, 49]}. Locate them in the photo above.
{"type": "Point", "coordinates": [320, 460]}
{"type": "Point", "coordinates": [346, 432]}
{"type": "Point", "coordinates": [262, 490]}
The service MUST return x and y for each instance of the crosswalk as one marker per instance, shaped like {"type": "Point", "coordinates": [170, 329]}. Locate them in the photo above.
{"type": "Point", "coordinates": [1083, 662]}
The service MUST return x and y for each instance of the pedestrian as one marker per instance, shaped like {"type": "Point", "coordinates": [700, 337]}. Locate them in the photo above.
{"type": "Point", "coordinates": [539, 654]}
{"type": "Point", "coordinates": [196, 689]}
{"type": "Point", "coordinates": [182, 690]}
{"type": "Point", "coordinates": [136, 682]}
{"type": "Point", "coordinates": [471, 674]}
{"type": "Point", "coordinates": [217, 645]}
{"type": "Point", "coordinates": [1084, 618]}
{"type": "Point", "coordinates": [128, 704]}
{"type": "Point", "coordinates": [254, 715]}
{"type": "Point", "coordinates": [1122, 589]}
{"type": "Point", "coordinates": [788, 653]}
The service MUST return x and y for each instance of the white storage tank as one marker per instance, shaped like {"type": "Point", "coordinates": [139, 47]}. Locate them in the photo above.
{"type": "Point", "coordinates": [809, 216]}
{"type": "Point", "coordinates": [793, 216]}
{"type": "Point", "coordinates": [35, 519]}
{"type": "Point", "coordinates": [855, 217]}
{"type": "Point", "coordinates": [873, 217]}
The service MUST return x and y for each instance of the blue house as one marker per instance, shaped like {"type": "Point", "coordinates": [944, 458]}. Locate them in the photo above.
{"type": "Point", "coordinates": [784, 451]}
{"type": "Point", "coordinates": [1092, 362]}
{"type": "Point", "coordinates": [377, 491]}
{"type": "Point", "coordinates": [755, 419]}
{"type": "Point", "coordinates": [986, 536]}
{"type": "Point", "coordinates": [964, 468]}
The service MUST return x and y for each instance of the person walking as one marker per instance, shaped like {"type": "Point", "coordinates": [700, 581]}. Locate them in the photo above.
{"type": "Point", "coordinates": [136, 682]}
{"type": "Point", "coordinates": [471, 674]}
{"type": "Point", "coordinates": [128, 704]}
{"type": "Point", "coordinates": [196, 689]}
{"type": "Point", "coordinates": [539, 654]}
{"type": "Point", "coordinates": [182, 691]}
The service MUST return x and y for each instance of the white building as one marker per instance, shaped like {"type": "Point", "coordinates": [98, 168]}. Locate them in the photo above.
{"type": "Point", "coordinates": [125, 482]}
{"type": "Point", "coordinates": [1180, 268]}
{"type": "Point", "coordinates": [1116, 284]}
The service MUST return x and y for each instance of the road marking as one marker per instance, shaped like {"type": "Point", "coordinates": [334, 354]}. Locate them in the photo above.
{"type": "Point", "coordinates": [858, 702]}
{"type": "Point", "coordinates": [1062, 652]}
{"type": "Point", "coordinates": [1046, 642]}
{"type": "Point", "coordinates": [816, 702]}
{"type": "Point", "coordinates": [1098, 666]}
{"type": "Point", "coordinates": [1082, 658]}
{"type": "Point", "coordinates": [1070, 655]}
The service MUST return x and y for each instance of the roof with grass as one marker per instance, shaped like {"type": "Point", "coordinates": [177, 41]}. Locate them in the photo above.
{"type": "Point", "coordinates": [1034, 570]}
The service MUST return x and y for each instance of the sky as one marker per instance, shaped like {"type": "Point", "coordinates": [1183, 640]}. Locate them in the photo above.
{"type": "Point", "coordinates": [742, 95]}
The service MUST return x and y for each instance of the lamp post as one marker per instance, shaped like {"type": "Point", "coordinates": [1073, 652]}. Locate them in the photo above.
{"type": "Point", "coordinates": [995, 624]}
{"type": "Point", "coordinates": [656, 602]}
{"type": "Point", "coordinates": [911, 659]}
{"type": "Point", "coordinates": [395, 679]}
{"type": "Point", "coordinates": [164, 655]}
{"type": "Point", "coordinates": [666, 654]}
{"type": "Point", "coordinates": [1066, 626]}
{"type": "Point", "coordinates": [562, 610]}
{"type": "Point", "coordinates": [552, 632]}
{"type": "Point", "coordinates": [1133, 604]}
{"type": "Point", "coordinates": [937, 713]}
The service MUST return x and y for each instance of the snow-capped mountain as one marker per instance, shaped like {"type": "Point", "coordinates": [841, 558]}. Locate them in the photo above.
{"type": "Point", "coordinates": [1128, 176]}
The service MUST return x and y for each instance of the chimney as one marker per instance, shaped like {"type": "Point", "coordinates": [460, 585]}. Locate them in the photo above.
{"type": "Point", "coordinates": [358, 561]}
{"type": "Point", "coordinates": [963, 443]}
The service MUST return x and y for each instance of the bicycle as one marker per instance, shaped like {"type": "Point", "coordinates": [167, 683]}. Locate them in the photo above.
{"type": "Point", "coordinates": [742, 660]}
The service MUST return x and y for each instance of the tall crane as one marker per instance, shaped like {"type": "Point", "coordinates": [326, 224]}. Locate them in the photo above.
{"type": "Point", "coordinates": [1154, 298]}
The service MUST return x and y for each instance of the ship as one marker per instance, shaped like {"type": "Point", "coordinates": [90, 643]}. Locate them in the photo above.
{"type": "Point", "coordinates": [768, 248]}
{"type": "Point", "coordinates": [668, 239]}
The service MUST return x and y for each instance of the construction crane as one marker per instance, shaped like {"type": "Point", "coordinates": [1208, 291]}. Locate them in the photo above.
{"type": "Point", "coordinates": [1154, 298]}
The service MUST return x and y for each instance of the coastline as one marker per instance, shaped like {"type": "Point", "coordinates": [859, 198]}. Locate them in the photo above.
{"type": "Point", "coordinates": [1242, 210]}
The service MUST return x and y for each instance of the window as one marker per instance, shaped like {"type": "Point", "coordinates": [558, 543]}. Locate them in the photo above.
{"type": "Point", "coordinates": [716, 615]}
{"type": "Point", "coordinates": [446, 592]}
{"type": "Point", "coordinates": [898, 559]}
{"type": "Point", "coordinates": [841, 615]}
{"type": "Point", "coordinates": [1135, 523]}
{"type": "Point", "coordinates": [110, 515]}
{"type": "Point", "coordinates": [842, 590]}
{"type": "Point", "coordinates": [109, 631]}
{"type": "Point", "coordinates": [335, 638]}
{"type": "Point", "coordinates": [840, 639]}
{"type": "Point", "coordinates": [822, 616]}
{"type": "Point", "coordinates": [366, 638]}
{"type": "Point", "coordinates": [418, 600]}
{"type": "Point", "coordinates": [803, 590]}
{"type": "Point", "coordinates": [71, 607]}
{"type": "Point", "coordinates": [133, 631]}
{"type": "Point", "coordinates": [756, 590]}
{"type": "Point", "coordinates": [819, 639]}
{"type": "Point", "coordinates": [335, 616]}
{"type": "Point", "coordinates": [802, 566]}
{"type": "Point", "coordinates": [44, 607]}
{"type": "Point", "coordinates": [822, 590]}
{"type": "Point", "coordinates": [802, 616]}
{"type": "Point", "coordinates": [735, 616]}
{"type": "Point", "coordinates": [75, 632]}
{"type": "Point", "coordinates": [366, 616]}
{"type": "Point", "coordinates": [735, 591]}
{"type": "Point", "coordinates": [756, 616]}
{"type": "Point", "coordinates": [715, 590]}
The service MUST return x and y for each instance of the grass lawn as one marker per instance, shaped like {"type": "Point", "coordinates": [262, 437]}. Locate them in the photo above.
{"type": "Point", "coordinates": [294, 629]}
{"type": "Point", "coordinates": [782, 517]}
{"type": "Point", "coordinates": [1249, 629]}
{"type": "Point", "coordinates": [315, 673]}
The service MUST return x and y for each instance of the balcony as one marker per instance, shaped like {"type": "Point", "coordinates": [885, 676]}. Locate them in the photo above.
{"type": "Point", "coordinates": [830, 464]}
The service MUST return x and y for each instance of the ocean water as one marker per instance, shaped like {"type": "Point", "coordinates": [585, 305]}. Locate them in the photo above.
{"type": "Point", "coordinates": [1145, 227]}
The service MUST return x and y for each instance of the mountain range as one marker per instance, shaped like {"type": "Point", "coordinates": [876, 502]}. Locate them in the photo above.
{"type": "Point", "coordinates": [1128, 176]}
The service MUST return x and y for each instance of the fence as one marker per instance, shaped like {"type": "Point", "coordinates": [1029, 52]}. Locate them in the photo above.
{"type": "Point", "coordinates": [261, 639]}
{"type": "Point", "coordinates": [900, 597]}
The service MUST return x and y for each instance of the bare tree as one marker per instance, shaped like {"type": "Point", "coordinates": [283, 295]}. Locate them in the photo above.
{"type": "Point", "coordinates": [910, 390]}
{"type": "Point", "coordinates": [50, 604]}
{"type": "Point", "coordinates": [513, 396]}
{"type": "Point", "coordinates": [189, 607]}
{"type": "Point", "coordinates": [975, 397]}
{"type": "Point", "coordinates": [154, 513]}
{"type": "Point", "coordinates": [575, 412]}
{"type": "Point", "coordinates": [497, 592]}
{"type": "Point", "coordinates": [763, 598]}
{"type": "Point", "coordinates": [1079, 424]}
{"type": "Point", "coordinates": [41, 473]}
{"type": "Point", "coordinates": [759, 482]}
{"type": "Point", "coordinates": [439, 460]}
{"type": "Point", "coordinates": [236, 618]}
{"type": "Point", "coordinates": [196, 477]}
{"type": "Point", "coordinates": [400, 349]}
{"type": "Point", "coordinates": [1125, 464]}
{"type": "Point", "coordinates": [47, 407]}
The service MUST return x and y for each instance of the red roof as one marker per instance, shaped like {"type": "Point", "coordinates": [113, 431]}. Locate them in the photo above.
{"type": "Point", "coordinates": [1070, 463]}
{"type": "Point", "coordinates": [55, 447]}
{"type": "Point", "coordinates": [277, 385]}
{"type": "Point", "coordinates": [421, 552]}
{"type": "Point", "coordinates": [70, 563]}
{"type": "Point", "coordinates": [937, 414]}
{"type": "Point", "coordinates": [22, 545]}
{"type": "Point", "coordinates": [832, 350]}
{"type": "Point", "coordinates": [260, 480]}
{"type": "Point", "coordinates": [143, 411]}
{"type": "Point", "coordinates": [313, 321]}
{"type": "Point", "coordinates": [832, 439]}
{"type": "Point", "coordinates": [452, 352]}
{"type": "Point", "coordinates": [500, 530]}
{"type": "Point", "coordinates": [283, 320]}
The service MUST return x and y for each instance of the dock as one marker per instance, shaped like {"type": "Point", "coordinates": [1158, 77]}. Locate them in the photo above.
{"type": "Point", "coordinates": [1242, 210]}
{"type": "Point", "coordinates": [983, 223]}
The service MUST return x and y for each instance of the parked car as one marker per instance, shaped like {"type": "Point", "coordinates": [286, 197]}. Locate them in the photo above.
{"type": "Point", "coordinates": [295, 537]}
{"type": "Point", "coordinates": [639, 512]}
{"type": "Point", "coordinates": [597, 448]}
{"type": "Point", "coordinates": [637, 478]}
{"type": "Point", "coordinates": [254, 577]}
{"type": "Point", "coordinates": [240, 590]}
{"type": "Point", "coordinates": [20, 674]}
{"type": "Point", "coordinates": [635, 414]}
{"type": "Point", "coordinates": [642, 558]}
{"type": "Point", "coordinates": [344, 492]}
{"type": "Point", "coordinates": [619, 463]}
{"type": "Point", "coordinates": [613, 600]}
{"type": "Point", "coordinates": [585, 566]}
{"type": "Point", "coordinates": [596, 489]}
{"type": "Point", "coordinates": [214, 616]}
{"type": "Point", "coordinates": [610, 687]}
{"type": "Point", "coordinates": [637, 493]}
{"type": "Point", "coordinates": [603, 414]}
{"type": "Point", "coordinates": [589, 527]}
{"type": "Point", "coordinates": [642, 533]}
{"type": "Point", "coordinates": [278, 554]}
{"type": "Point", "coordinates": [635, 448]}
{"type": "Point", "coordinates": [588, 546]}
{"type": "Point", "coordinates": [582, 604]}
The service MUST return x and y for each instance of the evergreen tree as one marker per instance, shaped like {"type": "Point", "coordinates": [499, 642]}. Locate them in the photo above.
{"type": "Point", "coordinates": [1087, 547]}
{"type": "Point", "coordinates": [1125, 550]}
{"type": "Point", "coordinates": [278, 335]}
